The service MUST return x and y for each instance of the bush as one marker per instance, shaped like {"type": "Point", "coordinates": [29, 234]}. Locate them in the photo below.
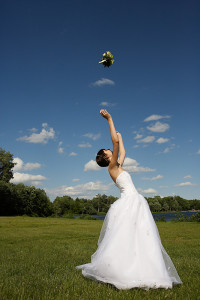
{"type": "Point", "coordinates": [181, 218]}
{"type": "Point", "coordinates": [53, 216]}
{"type": "Point", "coordinates": [68, 216]}
{"type": "Point", "coordinates": [195, 217]}
{"type": "Point", "coordinates": [35, 215]}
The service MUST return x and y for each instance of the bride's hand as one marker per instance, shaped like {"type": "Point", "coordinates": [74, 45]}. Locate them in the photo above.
{"type": "Point", "coordinates": [105, 114]}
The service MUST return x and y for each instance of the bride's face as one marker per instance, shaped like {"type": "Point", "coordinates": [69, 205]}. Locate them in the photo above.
{"type": "Point", "coordinates": [108, 153]}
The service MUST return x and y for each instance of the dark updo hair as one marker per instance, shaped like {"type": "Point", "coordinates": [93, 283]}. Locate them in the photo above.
{"type": "Point", "coordinates": [101, 159]}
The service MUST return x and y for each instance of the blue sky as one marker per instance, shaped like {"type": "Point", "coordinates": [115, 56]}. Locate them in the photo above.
{"type": "Point", "coordinates": [52, 89]}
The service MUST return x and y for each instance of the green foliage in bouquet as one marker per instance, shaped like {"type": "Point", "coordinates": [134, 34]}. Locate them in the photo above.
{"type": "Point", "coordinates": [107, 59]}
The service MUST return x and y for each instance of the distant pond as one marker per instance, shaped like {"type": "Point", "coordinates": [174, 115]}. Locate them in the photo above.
{"type": "Point", "coordinates": [168, 215]}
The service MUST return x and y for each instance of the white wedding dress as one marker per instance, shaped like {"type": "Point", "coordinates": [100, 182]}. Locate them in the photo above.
{"type": "Point", "coordinates": [130, 253]}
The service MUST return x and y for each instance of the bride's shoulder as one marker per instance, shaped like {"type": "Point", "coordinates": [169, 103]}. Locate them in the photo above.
{"type": "Point", "coordinates": [115, 172]}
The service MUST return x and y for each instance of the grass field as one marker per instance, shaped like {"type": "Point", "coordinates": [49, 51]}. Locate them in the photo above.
{"type": "Point", "coordinates": [38, 258]}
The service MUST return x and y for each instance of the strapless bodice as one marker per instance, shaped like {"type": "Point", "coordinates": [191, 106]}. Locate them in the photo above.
{"type": "Point", "coordinates": [125, 184]}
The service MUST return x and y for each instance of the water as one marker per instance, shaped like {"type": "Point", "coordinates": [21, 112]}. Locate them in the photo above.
{"type": "Point", "coordinates": [172, 215]}
{"type": "Point", "coordinates": [168, 215]}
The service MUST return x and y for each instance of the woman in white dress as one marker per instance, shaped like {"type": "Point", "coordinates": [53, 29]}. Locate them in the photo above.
{"type": "Point", "coordinates": [130, 253]}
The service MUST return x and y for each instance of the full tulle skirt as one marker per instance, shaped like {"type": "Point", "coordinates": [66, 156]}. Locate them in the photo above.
{"type": "Point", "coordinates": [130, 253]}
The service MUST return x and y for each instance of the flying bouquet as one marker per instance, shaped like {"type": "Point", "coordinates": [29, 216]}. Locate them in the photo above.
{"type": "Point", "coordinates": [107, 59]}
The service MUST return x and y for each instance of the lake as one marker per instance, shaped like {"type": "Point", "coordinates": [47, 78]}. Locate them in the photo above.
{"type": "Point", "coordinates": [168, 215]}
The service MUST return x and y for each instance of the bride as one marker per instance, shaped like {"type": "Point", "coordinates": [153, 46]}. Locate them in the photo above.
{"type": "Point", "coordinates": [130, 253]}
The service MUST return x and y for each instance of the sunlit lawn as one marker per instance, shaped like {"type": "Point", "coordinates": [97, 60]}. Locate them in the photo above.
{"type": "Point", "coordinates": [38, 258]}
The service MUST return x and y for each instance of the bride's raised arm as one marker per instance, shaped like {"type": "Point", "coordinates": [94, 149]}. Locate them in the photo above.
{"type": "Point", "coordinates": [121, 149]}
{"type": "Point", "coordinates": [114, 138]}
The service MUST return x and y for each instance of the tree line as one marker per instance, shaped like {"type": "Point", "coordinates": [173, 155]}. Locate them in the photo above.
{"type": "Point", "coordinates": [19, 199]}
{"type": "Point", "coordinates": [101, 203]}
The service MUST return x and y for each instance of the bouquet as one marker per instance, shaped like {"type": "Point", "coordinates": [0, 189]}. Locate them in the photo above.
{"type": "Point", "coordinates": [107, 59]}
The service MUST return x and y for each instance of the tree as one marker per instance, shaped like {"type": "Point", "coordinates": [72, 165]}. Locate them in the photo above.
{"type": "Point", "coordinates": [6, 165]}
{"type": "Point", "coordinates": [6, 205]}
{"type": "Point", "coordinates": [165, 206]}
{"type": "Point", "coordinates": [63, 205]}
{"type": "Point", "coordinates": [175, 205]}
{"type": "Point", "coordinates": [96, 202]}
{"type": "Point", "coordinates": [19, 199]}
{"type": "Point", "coordinates": [154, 205]}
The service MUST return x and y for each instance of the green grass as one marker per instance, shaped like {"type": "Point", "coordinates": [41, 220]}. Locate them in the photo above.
{"type": "Point", "coordinates": [38, 258]}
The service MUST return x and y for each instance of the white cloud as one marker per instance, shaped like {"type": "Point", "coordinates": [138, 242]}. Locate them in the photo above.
{"type": "Point", "coordinates": [148, 191]}
{"type": "Point", "coordinates": [148, 139]}
{"type": "Point", "coordinates": [43, 137]}
{"type": "Point", "coordinates": [198, 152]}
{"type": "Point", "coordinates": [73, 154]}
{"type": "Point", "coordinates": [153, 178]}
{"type": "Point", "coordinates": [87, 190]}
{"type": "Point", "coordinates": [159, 127]}
{"type": "Point", "coordinates": [132, 166]}
{"type": "Point", "coordinates": [168, 149]}
{"type": "Point", "coordinates": [36, 183]}
{"type": "Point", "coordinates": [130, 162]}
{"type": "Point", "coordinates": [186, 184]}
{"type": "Point", "coordinates": [20, 165]}
{"type": "Point", "coordinates": [103, 81]}
{"type": "Point", "coordinates": [108, 104]}
{"type": "Point", "coordinates": [187, 176]}
{"type": "Point", "coordinates": [162, 140]}
{"type": "Point", "coordinates": [91, 166]}
{"type": "Point", "coordinates": [31, 166]}
{"type": "Point", "coordinates": [33, 129]}
{"type": "Point", "coordinates": [27, 178]}
{"type": "Point", "coordinates": [93, 136]}
{"type": "Point", "coordinates": [104, 104]}
{"type": "Point", "coordinates": [60, 149]}
{"type": "Point", "coordinates": [156, 117]}
{"type": "Point", "coordinates": [138, 136]}
{"type": "Point", "coordinates": [24, 177]}
{"type": "Point", "coordinates": [135, 146]}
{"type": "Point", "coordinates": [86, 145]}
{"type": "Point", "coordinates": [75, 179]}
